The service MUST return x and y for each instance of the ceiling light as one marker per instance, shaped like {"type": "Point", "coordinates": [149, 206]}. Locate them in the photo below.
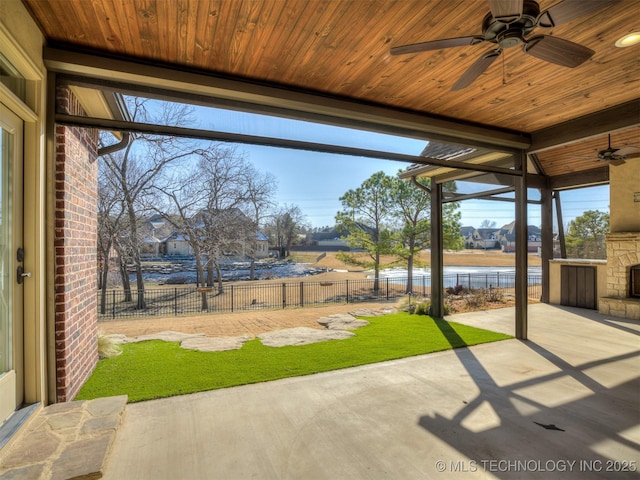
{"type": "Point", "coordinates": [628, 40]}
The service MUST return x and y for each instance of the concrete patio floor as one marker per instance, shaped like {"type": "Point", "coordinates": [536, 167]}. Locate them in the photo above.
{"type": "Point", "coordinates": [466, 413]}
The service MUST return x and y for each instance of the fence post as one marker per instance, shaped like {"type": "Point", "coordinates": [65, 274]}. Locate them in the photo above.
{"type": "Point", "coordinates": [486, 280]}
{"type": "Point", "coordinates": [457, 280]}
{"type": "Point", "coordinates": [498, 278]}
{"type": "Point", "coordinates": [232, 298]}
{"type": "Point", "coordinates": [302, 294]}
{"type": "Point", "coordinates": [113, 304]}
{"type": "Point", "coordinates": [175, 301]}
{"type": "Point", "coordinates": [424, 287]}
{"type": "Point", "coordinates": [284, 295]}
{"type": "Point", "coordinates": [347, 288]}
{"type": "Point", "coordinates": [387, 288]}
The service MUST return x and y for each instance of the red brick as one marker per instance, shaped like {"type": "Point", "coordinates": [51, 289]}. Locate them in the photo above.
{"type": "Point", "coordinates": [75, 252]}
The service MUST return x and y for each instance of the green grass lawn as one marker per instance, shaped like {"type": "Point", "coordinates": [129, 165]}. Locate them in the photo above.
{"type": "Point", "coordinates": [156, 369]}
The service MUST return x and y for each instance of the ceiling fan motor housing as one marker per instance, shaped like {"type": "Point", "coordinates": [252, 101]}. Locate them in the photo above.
{"type": "Point", "coordinates": [511, 34]}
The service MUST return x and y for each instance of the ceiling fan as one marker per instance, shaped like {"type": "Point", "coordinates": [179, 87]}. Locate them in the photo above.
{"type": "Point", "coordinates": [616, 156]}
{"type": "Point", "coordinates": [508, 23]}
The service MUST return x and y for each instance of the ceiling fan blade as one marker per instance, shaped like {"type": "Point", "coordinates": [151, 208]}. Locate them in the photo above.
{"type": "Point", "coordinates": [627, 151]}
{"type": "Point", "coordinates": [568, 10]}
{"type": "Point", "coordinates": [615, 163]}
{"type": "Point", "coordinates": [437, 45]}
{"type": "Point", "coordinates": [557, 50]}
{"type": "Point", "coordinates": [506, 11]}
{"type": "Point", "coordinates": [475, 70]}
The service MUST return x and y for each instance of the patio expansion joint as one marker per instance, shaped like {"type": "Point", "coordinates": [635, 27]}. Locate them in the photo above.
{"type": "Point", "coordinates": [65, 441]}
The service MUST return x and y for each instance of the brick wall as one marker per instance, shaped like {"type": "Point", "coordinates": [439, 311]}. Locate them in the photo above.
{"type": "Point", "coordinates": [76, 323]}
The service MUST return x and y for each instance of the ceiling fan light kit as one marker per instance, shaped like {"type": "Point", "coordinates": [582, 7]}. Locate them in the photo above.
{"type": "Point", "coordinates": [508, 24]}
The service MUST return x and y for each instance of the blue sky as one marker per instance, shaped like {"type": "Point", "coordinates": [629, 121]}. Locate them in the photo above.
{"type": "Point", "coordinates": [315, 181]}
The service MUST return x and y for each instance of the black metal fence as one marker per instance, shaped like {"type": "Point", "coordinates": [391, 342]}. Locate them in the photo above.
{"type": "Point", "coordinates": [253, 295]}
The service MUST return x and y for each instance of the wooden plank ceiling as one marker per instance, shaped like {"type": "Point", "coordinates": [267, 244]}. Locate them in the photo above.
{"type": "Point", "coordinates": [341, 48]}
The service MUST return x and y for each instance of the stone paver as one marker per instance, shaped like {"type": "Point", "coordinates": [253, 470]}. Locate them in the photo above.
{"type": "Point", "coordinates": [301, 336]}
{"type": "Point", "coordinates": [66, 441]}
{"type": "Point", "coordinates": [167, 336]}
{"type": "Point", "coordinates": [30, 472]}
{"type": "Point", "coordinates": [83, 458]}
{"type": "Point", "coordinates": [342, 321]}
{"type": "Point", "coordinates": [214, 344]}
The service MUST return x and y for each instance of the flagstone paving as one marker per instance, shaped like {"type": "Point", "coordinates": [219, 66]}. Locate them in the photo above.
{"type": "Point", "coordinates": [65, 441]}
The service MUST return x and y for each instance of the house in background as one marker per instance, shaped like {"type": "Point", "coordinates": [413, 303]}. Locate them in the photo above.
{"type": "Point", "coordinates": [151, 247]}
{"type": "Point", "coordinates": [153, 232]}
{"type": "Point", "coordinates": [508, 238]}
{"type": "Point", "coordinates": [467, 234]}
{"type": "Point", "coordinates": [177, 244]}
{"type": "Point", "coordinates": [486, 238]}
{"type": "Point", "coordinates": [262, 245]}
{"type": "Point", "coordinates": [235, 230]}
{"type": "Point", "coordinates": [503, 238]}
{"type": "Point", "coordinates": [329, 240]}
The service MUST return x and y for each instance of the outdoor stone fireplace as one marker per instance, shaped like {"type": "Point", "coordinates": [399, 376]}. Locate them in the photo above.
{"type": "Point", "coordinates": [623, 276]}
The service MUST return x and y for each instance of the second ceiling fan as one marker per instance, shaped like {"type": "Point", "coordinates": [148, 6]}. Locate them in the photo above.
{"type": "Point", "coordinates": [508, 24]}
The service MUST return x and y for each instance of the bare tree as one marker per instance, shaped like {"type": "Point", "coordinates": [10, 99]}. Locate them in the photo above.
{"type": "Point", "coordinates": [110, 230]}
{"type": "Point", "coordinates": [205, 207]}
{"type": "Point", "coordinates": [135, 168]}
{"type": "Point", "coordinates": [284, 226]}
{"type": "Point", "coordinates": [260, 188]}
{"type": "Point", "coordinates": [223, 224]}
{"type": "Point", "coordinates": [486, 223]}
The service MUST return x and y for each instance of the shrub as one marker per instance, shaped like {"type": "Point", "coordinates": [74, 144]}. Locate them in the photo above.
{"type": "Point", "coordinates": [418, 306]}
{"type": "Point", "coordinates": [449, 306]}
{"type": "Point", "coordinates": [423, 308]}
{"type": "Point", "coordinates": [476, 299]}
{"type": "Point", "coordinates": [407, 303]}
{"type": "Point", "coordinates": [108, 347]}
{"type": "Point", "coordinates": [457, 290]}
{"type": "Point", "coordinates": [495, 295]}
{"type": "Point", "coordinates": [413, 304]}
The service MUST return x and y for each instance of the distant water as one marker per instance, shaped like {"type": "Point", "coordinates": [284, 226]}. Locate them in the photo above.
{"type": "Point", "coordinates": [469, 277]}
{"type": "Point", "coordinates": [448, 270]}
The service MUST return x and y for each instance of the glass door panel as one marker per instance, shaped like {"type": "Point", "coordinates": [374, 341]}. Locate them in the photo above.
{"type": "Point", "coordinates": [10, 239]}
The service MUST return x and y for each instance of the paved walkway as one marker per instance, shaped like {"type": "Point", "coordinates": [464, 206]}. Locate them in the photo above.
{"type": "Point", "coordinates": [563, 405]}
